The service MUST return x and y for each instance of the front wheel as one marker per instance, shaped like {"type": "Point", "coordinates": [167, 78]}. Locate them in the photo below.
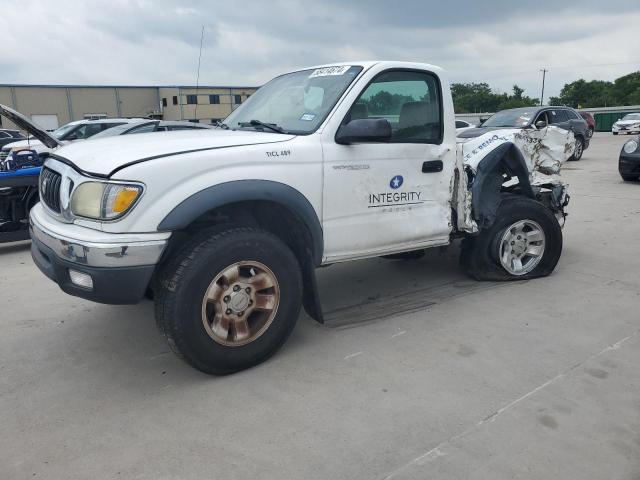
{"type": "Point", "coordinates": [578, 150]}
{"type": "Point", "coordinates": [229, 299]}
{"type": "Point", "coordinates": [524, 242]}
{"type": "Point", "coordinates": [629, 178]}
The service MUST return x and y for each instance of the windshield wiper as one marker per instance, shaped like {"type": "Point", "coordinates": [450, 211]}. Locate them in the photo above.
{"type": "Point", "coordinates": [257, 123]}
{"type": "Point", "coordinates": [221, 124]}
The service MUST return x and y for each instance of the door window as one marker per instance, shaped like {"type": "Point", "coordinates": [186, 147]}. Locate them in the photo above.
{"type": "Point", "coordinates": [408, 100]}
{"type": "Point", "coordinates": [557, 116]}
{"type": "Point", "coordinates": [147, 127]}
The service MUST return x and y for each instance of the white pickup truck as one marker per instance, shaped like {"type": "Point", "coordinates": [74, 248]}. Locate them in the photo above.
{"type": "Point", "coordinates": [328, 164]}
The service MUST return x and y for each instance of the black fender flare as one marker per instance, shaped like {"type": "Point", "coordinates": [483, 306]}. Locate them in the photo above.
{"type": "Point", "coordinates": [488, 180]}
{"type": "Point", "coordinates": [248, 190]}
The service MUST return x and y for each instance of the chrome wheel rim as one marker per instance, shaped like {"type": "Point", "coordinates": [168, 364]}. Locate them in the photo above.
{"type": "Point", "coordinates": [522, 247]}
{"type": "Point", "coordinates": [240, 303]}
{"type": "Point", "coordinates": [578, 151]}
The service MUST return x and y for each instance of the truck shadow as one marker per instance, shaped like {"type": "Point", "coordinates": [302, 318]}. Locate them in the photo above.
{"type": "Point", "coordinates": [371, 290]}
{"type": "Point", "coordinates": [13, 247]}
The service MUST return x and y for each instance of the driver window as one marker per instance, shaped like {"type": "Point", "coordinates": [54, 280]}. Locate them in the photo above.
{"type": "Point", "coordinates": [409, 101]}
{"type": "Point", "coordinates": [542, 117]}
{"type": "Point", "coordinates": [85, 131]}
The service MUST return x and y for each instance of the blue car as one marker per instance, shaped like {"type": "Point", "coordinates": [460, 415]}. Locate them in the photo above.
{"type": "Point", "coordinates": [19, 173]}
{"type": "Point", "coordinates": [18, 193]}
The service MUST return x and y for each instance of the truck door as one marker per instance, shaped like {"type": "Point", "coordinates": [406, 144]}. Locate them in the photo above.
{"type": "Point", "coordinates": [383, 197]}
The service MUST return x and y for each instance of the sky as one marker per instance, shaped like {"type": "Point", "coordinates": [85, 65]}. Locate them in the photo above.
{"type": "Point", "coordinates": [145, 42]}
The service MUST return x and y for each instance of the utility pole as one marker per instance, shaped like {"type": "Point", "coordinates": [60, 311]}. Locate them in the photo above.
{"type": "Point", "coordinates": [195, 112]}
{"type": "Point", "coordinates": [544, 74]}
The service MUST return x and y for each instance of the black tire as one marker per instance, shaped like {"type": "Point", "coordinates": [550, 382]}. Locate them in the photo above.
{"type": "Point", "coordinates": [579, 150]}
{"type": "Point", "coordinates": [629, 178]}
{"type": "Point", "coordinates": [182, 284]}
{"type": "Point", "coordinates": [615, 133]}
{"type": "Point", "coordinates": [479, 256]}
{"type": "Point", "coordinates": [590, 132]}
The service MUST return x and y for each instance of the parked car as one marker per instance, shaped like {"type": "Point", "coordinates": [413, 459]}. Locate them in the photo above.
{"type": "Point", "coordinates": [630, 123]}
{"type": "Point", "coordinates": [629, 160]}
{"type": "Point", "coordinates": [462, 125]}
{"type": "Point", "coordinates": [591, 122]}
{"type": "Point", "coordinates": [227, 226]}
{"type": "Point", "coordinates": [148, 126]}
{"type": "Point", "coordinates": [9, 136]}
{"type": "Point", "coordinates": [537, 118]}
{"type": "Point", "coordinates": [77, 130]}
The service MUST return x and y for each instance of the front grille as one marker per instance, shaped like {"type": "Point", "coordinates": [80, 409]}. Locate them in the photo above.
{"type": "Point", "coordinates": [50, 189]}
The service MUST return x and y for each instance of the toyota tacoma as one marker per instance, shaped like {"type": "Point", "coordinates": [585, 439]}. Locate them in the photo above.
{"type": "Point", "coordinates": [225, 228]}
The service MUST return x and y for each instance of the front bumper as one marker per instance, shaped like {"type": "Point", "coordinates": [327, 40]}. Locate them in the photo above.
{"type": "Point", "coordinates": [120, 267]}
{"type": "Point", "coordinates": [629, 163]}
{"type": "Point", "coordinates": [630, 130]}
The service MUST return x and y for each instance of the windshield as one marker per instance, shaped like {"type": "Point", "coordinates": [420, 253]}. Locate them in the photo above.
{"type": "Point", "coordinates": [510, 118]}
{"type": "Point", "coordinates": [296, 102]}
{"type": "Point", "coordinates": [632, 116]}
{"type": "Point", "coordinates": [61, 132]}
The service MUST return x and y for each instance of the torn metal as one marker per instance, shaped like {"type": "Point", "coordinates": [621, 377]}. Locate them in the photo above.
{"type": "Point", "coordinates": [543, 152]}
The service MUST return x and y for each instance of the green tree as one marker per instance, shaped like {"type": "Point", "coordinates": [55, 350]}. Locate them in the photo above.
{"type": "Point", "coordinates": [478, 97]}
{"type": "Point", "coordinates": [582, 94]}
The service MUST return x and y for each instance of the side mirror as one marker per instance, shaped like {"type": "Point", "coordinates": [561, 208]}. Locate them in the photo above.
{"type": "Point", "coordinates": [364, 130]}
{"type": "Point", "coordinates": [540, 124]}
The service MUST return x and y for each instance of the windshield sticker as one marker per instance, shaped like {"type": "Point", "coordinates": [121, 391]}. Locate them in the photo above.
{"type": "Point", "coordinates": [307, 117]}
{"type": "Point", "coordinates": [327, 71]}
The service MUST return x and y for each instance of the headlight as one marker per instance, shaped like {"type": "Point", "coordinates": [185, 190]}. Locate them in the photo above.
{"type": "Point", "coordinates": [631, 146]}
{"type": "Point", "coordinates": [104, 201]}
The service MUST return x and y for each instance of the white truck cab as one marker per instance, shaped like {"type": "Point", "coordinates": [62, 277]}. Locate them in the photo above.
{"type": "Point", "coordinates": [326, 164]}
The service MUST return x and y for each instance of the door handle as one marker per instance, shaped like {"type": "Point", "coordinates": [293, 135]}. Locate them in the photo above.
{"type": "Point", "coordinates": [432, 166]}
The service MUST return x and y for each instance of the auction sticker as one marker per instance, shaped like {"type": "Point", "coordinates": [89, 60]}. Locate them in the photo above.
{"type": "Point", "coordinates": [327, 71]}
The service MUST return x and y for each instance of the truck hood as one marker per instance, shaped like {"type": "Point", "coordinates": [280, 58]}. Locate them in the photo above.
{"type": "Point", "coordinates": [28, 126]}
{"type": "Point", "coordinates": [103, 157]}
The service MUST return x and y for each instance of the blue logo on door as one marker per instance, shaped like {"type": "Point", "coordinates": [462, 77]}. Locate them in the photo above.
{"type": "Point", "coordinates": [396, 182]}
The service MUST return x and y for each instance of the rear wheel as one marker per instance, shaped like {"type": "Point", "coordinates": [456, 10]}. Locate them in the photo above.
{"type": "Point", "coordinates": [524, 242]}
{"type": "Point", "coordinates": [590, 132]}
{"type": "Point", "coordinates": [615, 133]}
{"type": "Point", "coordinates": [229, 300]}
{"type": "Point", "coordinates": [629, 178]}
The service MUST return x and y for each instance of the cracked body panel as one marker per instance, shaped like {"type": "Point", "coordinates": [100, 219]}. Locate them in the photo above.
{"type": "Point", "coordinates": [524, 160]}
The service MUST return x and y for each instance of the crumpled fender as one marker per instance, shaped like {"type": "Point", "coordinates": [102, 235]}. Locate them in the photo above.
{"type": "Point", "coordinates": [487, 183]}
{"type": "Point", "coordinates": [534, 157]}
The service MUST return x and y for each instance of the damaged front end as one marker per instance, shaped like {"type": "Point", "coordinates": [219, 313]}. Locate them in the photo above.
{"type": "Point", "coordinates": [519, 161]}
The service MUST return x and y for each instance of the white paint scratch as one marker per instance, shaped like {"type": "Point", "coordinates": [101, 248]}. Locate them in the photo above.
{"type": "Point", "coordinates": [438, 450]}
{"type": "Point", "coordinates": [353, 355]}
{"type": "Point", "coordinates": [398, 334]}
